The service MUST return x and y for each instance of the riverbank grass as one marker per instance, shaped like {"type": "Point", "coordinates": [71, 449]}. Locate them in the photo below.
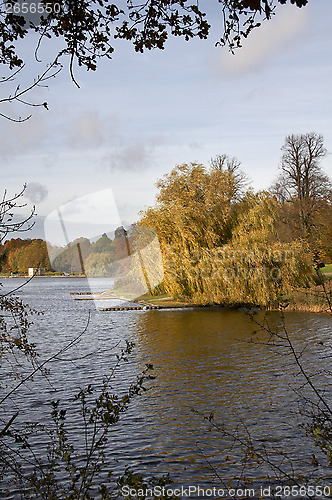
{"type": "Point", "coordinates": [161, 299]}
{"type": "Point", "coordinates": [311, 299]}
{"type": "Point", "coordinates": [164, 300]}
{"type": "Point", "coordinates": [327, 269]}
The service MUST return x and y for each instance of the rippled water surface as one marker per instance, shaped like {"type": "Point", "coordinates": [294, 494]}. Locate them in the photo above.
{"type": "Point", "coordinates": [204, 363]}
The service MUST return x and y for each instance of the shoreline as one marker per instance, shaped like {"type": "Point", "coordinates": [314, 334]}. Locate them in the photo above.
{"type": "Point", "coordinates": [45, 276]}
{"type": "Point", "coordinates": [160, 302]}
{"type": "Point", "coordinates": [302, 302]}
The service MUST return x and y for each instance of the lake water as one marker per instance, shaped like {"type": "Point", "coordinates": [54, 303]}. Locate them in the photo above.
{"type": "Point", "coordinates": [203, 363]}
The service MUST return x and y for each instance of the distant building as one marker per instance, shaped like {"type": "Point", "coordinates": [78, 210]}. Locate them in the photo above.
{"type": "Point", "coordinates": [34, 271]}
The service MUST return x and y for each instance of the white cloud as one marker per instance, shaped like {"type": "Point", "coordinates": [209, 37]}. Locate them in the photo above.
{"type": "Point", "coordinates": [134, 156]}
{"type": "Point", "coordinates": [35, 192]}
{"type": "Point", "coordinates": [274, 35]}
{"type": "Point", "coordinates": [196, 145]}
{"type": "Point", "coordinates": [87, 131]}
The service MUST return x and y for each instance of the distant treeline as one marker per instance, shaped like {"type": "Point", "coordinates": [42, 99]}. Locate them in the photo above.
{"type": "Point", "coordinates": [17, 255]}
{"type": "Point", "coordinates": [98, 258]}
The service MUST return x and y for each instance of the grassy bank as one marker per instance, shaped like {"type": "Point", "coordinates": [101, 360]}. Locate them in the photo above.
{"type": "Point", "coordinates": [147, 299]}
{"type": "Point", "coordinates": [312, 299]}
{"type": "Point", "coordinates": [327, 269]}
{"type": "Point", "coordinates": [164, 301]}
{"type": "Point", "coordinates": [303, 300]}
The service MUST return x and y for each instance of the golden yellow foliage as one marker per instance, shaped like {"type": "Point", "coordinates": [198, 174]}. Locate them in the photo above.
{"type": "Point", "coordinates": [218, 248]}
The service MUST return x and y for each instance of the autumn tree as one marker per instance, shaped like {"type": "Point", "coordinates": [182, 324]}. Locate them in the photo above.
{"type": "Point", "coordinates": [303, 189]}
{"type": "Point", "coordinates": [86, 31]}
{"type": "Point", "coordinates": [195, 204]}
{"type": "Point", "coordinates": [32, 255]}
{"type": "Point", "coordinates": [219, 242]}
{"type": "Point", "coordinates": [10, 247]}
{"type": "Point", "coordinates": [192, 212]}
{"type": "Point", "coordinates": [232, 165]}
{"type": "Point", "coordinates": [261, 269]}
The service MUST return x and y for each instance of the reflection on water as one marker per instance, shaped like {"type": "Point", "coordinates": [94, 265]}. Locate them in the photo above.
{"type": "Point", "coordinates": [204, 363]}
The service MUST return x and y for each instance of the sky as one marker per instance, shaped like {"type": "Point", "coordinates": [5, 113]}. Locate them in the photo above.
{"type": "Point", "coordinates": [139, 115]}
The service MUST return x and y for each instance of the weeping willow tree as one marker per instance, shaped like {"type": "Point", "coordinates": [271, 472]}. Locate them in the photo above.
{"type": "Point", "coordinates": [254, 267]}
{"type": "Point", "coordinates": [219, 241]}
